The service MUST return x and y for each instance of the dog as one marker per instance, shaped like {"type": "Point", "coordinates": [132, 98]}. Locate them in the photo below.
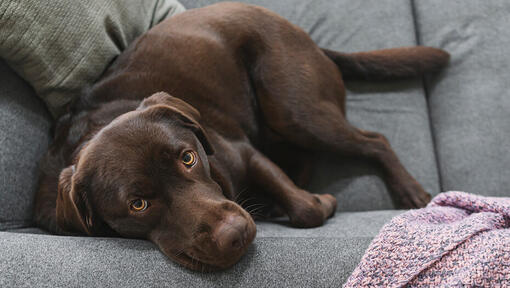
{"type": "Point", "coordinates": [207, 114]}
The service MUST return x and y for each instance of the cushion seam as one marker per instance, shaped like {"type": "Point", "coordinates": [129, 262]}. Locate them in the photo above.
{"type": "Point", "coordinates": [426, 94]}
{"type": "Point", "coordinates": [314, 237]}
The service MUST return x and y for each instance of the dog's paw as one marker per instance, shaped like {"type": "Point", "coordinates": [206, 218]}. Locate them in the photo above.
{"type": "Point", "coordinates": [328, 203]}
{"type": "Point", "coordinates": [413, 197]}
{"type": "Point", "coordinates": [313, 210]}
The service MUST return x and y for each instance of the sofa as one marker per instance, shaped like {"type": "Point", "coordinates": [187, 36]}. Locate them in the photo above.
{"type": "Point", "coordinates": [451, 131]}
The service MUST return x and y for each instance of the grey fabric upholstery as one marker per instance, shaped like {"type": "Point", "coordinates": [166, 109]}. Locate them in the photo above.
{"type": "Point", "coordinates": [396, 109]}
{"type": "Point", "coordinates": [470, 101]}
{"type": "Point", "coordinates": [280, 257]}
{"type": "Point", "coordinates": [24, 137]}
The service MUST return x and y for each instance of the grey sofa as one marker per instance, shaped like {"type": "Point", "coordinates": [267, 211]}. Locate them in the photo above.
{"type": "Point", "coordinates": [452, 132]}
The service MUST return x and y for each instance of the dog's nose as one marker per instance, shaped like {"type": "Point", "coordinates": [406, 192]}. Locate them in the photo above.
{"type": "Point", "coordinates": [230, 235]}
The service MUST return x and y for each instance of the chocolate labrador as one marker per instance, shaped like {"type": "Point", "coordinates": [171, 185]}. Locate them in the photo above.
{"type": "Point", "coordinates": [240, 100]}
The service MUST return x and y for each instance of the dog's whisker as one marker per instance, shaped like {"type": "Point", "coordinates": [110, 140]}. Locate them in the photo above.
{"type": "Point", "coordinates": [256, 209]}
{"type": "Point", "coordinates": [260, 216]}
{"type": "Point", "coordinates": [256, 205]}
{"type": "Point", "coordinates": [254, 212]}
{"type": "Point", "coordinates": [183, 249]}
{"type": "Point", "coordinates": [178, 253]}
{"type": "Point", "coordinates": [246, 200]}
{"type": "Point", "coordinates": [257, 212]}
{"type": "Point", "coordinates": [238, 195]}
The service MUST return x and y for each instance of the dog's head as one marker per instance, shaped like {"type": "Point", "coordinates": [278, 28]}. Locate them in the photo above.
{"type": "Point", "coordinates": [147, 175]}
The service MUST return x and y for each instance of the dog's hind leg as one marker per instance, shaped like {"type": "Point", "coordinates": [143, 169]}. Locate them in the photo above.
{"type": "Point", "coordinates": [302, 99]}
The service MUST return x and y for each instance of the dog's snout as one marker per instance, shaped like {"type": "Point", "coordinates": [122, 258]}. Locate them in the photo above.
{"type": "Point", "coordinates": [231, 234]}
{"type": "Point", "coordinates": [224, 235]}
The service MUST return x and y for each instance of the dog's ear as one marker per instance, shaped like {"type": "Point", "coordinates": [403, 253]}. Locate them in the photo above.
{"type": "Point", "coordinates": [73, 210]}
{"type": "Point", "coordinates": [187, 113]}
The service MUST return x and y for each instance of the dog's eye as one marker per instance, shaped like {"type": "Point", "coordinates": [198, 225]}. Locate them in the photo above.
{"type": "Point", "coordinates": [139, 205]}
{"type": "Point", "coordinates": [189, 159]}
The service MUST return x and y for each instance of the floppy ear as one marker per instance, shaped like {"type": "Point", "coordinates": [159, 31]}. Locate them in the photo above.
{"type": "Point", "coordinates": [188, 114]}
{"type": "Point", "coordinates": [73, 211]}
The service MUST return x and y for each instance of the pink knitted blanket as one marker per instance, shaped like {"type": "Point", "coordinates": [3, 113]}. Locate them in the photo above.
{"type": "Point", "coordinates": [458, 240]}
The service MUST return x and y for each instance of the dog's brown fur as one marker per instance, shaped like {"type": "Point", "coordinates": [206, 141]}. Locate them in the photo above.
{"type": "Point", "coordinates": [252, 97]}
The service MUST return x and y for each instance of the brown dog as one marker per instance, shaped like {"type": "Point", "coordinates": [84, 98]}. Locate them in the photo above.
{"type": "Point", "coordinates": [252, 97]}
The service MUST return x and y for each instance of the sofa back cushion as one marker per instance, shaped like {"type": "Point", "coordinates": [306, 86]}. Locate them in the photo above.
{"type": "Point", "coordinates": [24, 138]}
{"type": "Point", "coordinates": [470, 102]}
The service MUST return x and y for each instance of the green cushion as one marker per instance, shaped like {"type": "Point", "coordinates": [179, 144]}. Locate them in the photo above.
{"type": "Point", "coordinates": [61, 46]}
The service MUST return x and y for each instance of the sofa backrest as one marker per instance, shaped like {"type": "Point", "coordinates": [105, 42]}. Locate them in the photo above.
{"type": "Point", "coordinates": [467, 106]}
{"type": "Point", "coordinates": [24, 137]}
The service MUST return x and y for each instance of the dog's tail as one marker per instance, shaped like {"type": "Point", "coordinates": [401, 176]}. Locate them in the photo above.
{"type": "Point", "coordinates": [393, 63]}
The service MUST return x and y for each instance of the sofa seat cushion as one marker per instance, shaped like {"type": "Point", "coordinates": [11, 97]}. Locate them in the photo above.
{"type": "Point", "coordinates": [280, 257]}
{"type": "Point", "coordinates": [470, 101]}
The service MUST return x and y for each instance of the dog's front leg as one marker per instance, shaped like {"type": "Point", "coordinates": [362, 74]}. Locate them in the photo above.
{"type": "Point", "coordinates": [303, 208]}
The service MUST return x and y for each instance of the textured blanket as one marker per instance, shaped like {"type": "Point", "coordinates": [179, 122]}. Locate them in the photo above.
{"type": "Point", "coordinates": [459, 239]}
